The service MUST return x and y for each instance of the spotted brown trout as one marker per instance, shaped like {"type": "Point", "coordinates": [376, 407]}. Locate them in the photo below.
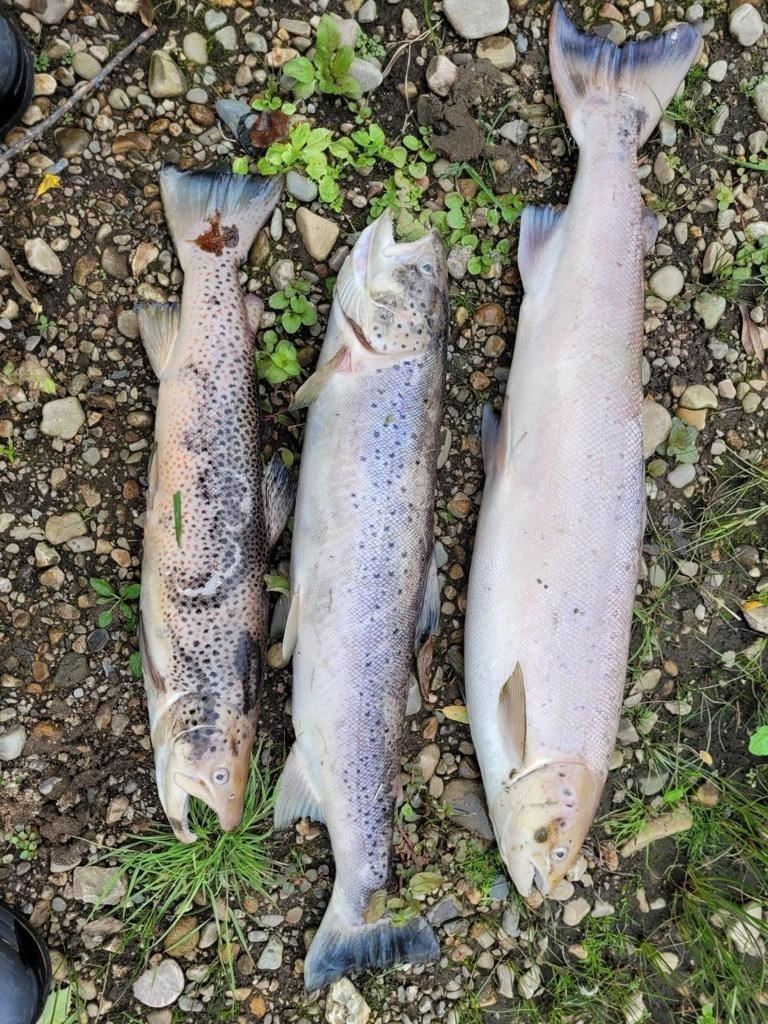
{"type": "Point", "coordinates": [557, 552]}
{"type": "Point", "coordinates": [211, 514]}
{"type": "Point", "coordinates": [364, 583]}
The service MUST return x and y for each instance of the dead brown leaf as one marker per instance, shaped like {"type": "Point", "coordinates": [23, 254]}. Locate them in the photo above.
{"type": "Point", "coordinates": [424, 667]}
{"type": "Point", "coordinates": [754, 337]}
{"type": "Point", "coordinates": [18, 282]}
{"type": "Point", "coordinates": [146, 13]}
{"type": "Point", "coordinates": [270, 126]}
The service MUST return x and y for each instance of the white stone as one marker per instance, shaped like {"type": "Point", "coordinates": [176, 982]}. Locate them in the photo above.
{"type": "Point", "coordinates": [528, 983]}
{"type": "Point", "coordinates": [299, 187]}
{"type": "Point", "coordinates": [682, 475]}
{"type": "Point", "coordinates": [475, 19]}
{"type": "Point", "coordinates": [366, 74]}
{"type": "Point", "coordinates": [710, 308]}
{"type": "Point", "coordinates": [62, 417]}
{"type": "Point", "coordinates": [227, 38]}
{"type": "Point", "coordinates": [698, 396]}
{"type": "Point", "coordinates": [99, 886]}
{"type": "Point", "coordinates": [272, 955]}
{"type": "Point", "coordinates": [318, 233]}
{"type": "Point", "coordinates": [161, 985]}
{"type": "Point", "coordinates": [657, 422]}
{"type": "Point", "coordinates": [12, 743]}
{"type": "Point", "coordinates": [345, 1005]}
{"type": "Point", "coordinates": [746, 25]}
{"type": "Point", "coordinates": [667, 282]}
{"type": "Point", "coordinates": [441, 75]}
{"type": "Point", "coordinates": [499, 50]}
{"type": "Point", "coordinates": [165, 78]}
{"type": "Point", "coordinates": [717, 71]}
{"type": "Point", "coordinates": [761, 99]}
{"type": "Point", "coordinates": [195, 48]}
{"type": "Point", "coordinates": [42, 258]}
{"type": "Point", "coordinates": [575, 911]}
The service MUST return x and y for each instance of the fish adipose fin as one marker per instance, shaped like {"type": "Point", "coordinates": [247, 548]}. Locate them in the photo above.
{"type": "Point", "coordinates": [215, 215]}
{"type": "Point", "coordinates": [512, 715]}
{"type": "Point", "coordinates": [538, 226]}
{"type": "Point", "coordinates": [592, 74]}
{"type": "Point", "coordinates": [340, 948]}
{"type": "Point", "coordinates": [296, 797]}
{"type": "Point", "coordinates": [278, 487]}
{"type": "Point", "coordinates": [159, 327]}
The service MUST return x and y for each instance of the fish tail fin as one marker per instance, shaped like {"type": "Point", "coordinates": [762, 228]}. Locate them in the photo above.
{"type": "Point", "coordinates": [215, 214]}
{"type": "Point", "coordinates": [590, 72]}
{"type": "Point", "coordinates": [340, 948]}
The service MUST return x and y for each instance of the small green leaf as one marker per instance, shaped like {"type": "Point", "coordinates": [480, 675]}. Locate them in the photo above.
{"type": "Point", "coordinates": [328, 37]}
{"type": "Point", "coordinates": [240, 165]}
{"type": "Point", "coordinates": [134, 663]}
{"type": "Point", "coordinates": [412, 143]}
{"type": "Point", "coordinates": [177, 524]}
{"type": "Point", "coordinates": [758, 742]}
{"type": "Point", "coordinates": [300, 69]}
{"type": "Point", "coordinates": [130, 591]}
{"type": "Point", "coordinates": [105, 619]}
{"type": "Point", "coordinates": [277, 584]}
{"type": "Point", "coordinates": [423, 883]}
{"type": "Point", "coordinates": [290, 321]}
{"type": "Point", "coordinates": [673, 795]}
{"type": "Point", "coordinates": [101, 587]}
{"type": "Point", "coordinates": [278, 301]}
{"type": "Point", "coordinates": [56, 1009]}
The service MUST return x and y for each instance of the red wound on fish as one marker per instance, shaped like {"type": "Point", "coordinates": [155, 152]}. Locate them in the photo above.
{"type": "Point", "coordinates": [217, 238]}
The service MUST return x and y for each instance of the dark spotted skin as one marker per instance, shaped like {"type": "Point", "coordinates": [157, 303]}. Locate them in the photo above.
{"type": "Point", "coordinates": [363, 538]}
{"type": "Point", "coordinates": [204, 606]}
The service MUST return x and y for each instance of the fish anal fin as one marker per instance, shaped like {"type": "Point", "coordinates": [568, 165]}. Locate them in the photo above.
{"type": "Point", "coordinates": [341, 362]}
{"type": "Point", "coordinates": [296, 796]}
{"type": "Point", "coordinates": [496, 434]}
{"type": "Point", "coordinates": [538, 226]}
{"type": "Point", "coordinates": [159, 327]}
{"type": "Point", "coordinates": [278, 488]}
{"type": "Point", "coordinates": [512, 715]}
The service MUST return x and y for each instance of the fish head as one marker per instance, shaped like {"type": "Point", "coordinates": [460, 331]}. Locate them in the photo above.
{"type": "Point", "coordinates": [395, 294]}
{"type": "Point", "coordinates": [208, 758]}
{"type": "Point", "coordinates": [541, 821]}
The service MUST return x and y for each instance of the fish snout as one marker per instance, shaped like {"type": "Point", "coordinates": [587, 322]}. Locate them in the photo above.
{"type": "Point", "coordinates": [229, 812]}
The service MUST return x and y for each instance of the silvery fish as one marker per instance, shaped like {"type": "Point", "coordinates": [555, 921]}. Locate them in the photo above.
{"type": "Point", "coordinates": [211, 513]}
{"type": "Point", "coordinates": [364, 582]}
{"type": "Point", "coordinates": [556, 558]}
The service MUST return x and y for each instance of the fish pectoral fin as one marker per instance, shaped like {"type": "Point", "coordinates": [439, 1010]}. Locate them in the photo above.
{"type": "Point", "coordinates": [341, 362]}
{"type": "Point", "coordinates": [496, 432]}
{"type": "Point", "coordinates": [650, 229]}
{"type": "Point", "coordinates": [429, 616]}
{"type": "Point", "coordinates": [291, 625]}
{"type": "Point", "coordinates": [512, 715]}
{"type": "Point", "coordinates": [278, 489]}
{"type": "Point", "coordinates": [296, 796]}
{"type": "Point", "coordinates": [159, 327]}
{"type": "Point", "coordinates": [151, 673]}
{"type": "Point", "coordinates": [538, 226]}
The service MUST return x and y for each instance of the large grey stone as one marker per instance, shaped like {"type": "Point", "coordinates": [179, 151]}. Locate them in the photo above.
{"type": "Point", "coordinates": [475, 19]}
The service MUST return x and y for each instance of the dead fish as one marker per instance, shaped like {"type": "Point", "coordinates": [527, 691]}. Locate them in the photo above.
{"type": "Point", "coordinates": [211, 514]}
{"type": "Point", "coordinates": [364, 582]}
{"type": "Point", "coordinates": [556, 557]}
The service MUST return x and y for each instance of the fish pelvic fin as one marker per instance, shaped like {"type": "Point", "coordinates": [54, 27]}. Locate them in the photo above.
{"type": "Point", "coordinates": [496, 432]}
{"type": "Point", "coordinates": [512, 716]}
{"type": "Point", "coordinates": [215, 215]}
{"type": "Point", "coordinates": [341, 947]}
{"type": "Point", "coordinates": [159, 327]}
{"type": "Point", "coordinates": [594, 74]}
{"type": "Point", "coordinates": [296, 795]}
{"type": "Point", "coordinates": [278, 487]}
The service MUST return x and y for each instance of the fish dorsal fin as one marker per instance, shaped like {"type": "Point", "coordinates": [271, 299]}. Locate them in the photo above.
{"type": "Point", "coordinates": [291, 625]}
{"type": "Point", "coordinates": [538, 226]}
{"type": "Point", "coordinates": [278, 487]}
{"type": "Point", "coordinates": [341, 362]}
{"type": "Point", "coordinates": [296, 795]}
{"type": "Point", "coordinates": [512, 718]}
{"type": "Point", "coordinates": [650, 229]}
{"type": "Point", "coordinates": [159, 326]}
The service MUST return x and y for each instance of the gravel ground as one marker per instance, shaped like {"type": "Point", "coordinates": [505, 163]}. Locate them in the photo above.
{"type": "Point", "coordinates": [76, 415]}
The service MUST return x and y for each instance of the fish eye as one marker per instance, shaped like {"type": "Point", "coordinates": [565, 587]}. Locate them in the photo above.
{"type": "Point", "coordinates": [427, 267]}
{"type": "Point", "coordinates": [560, 853]}
{"type": "Point", "coordinates": [220, 776]}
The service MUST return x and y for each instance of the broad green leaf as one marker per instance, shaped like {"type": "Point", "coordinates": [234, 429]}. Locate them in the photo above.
{"type": "Point", "coordinates": [758, 742]}
{"type": "Point", "coordinates": [105, 619]}
{"type": "Point", "coordinates": [423, 883]}
{"type": "Point", "coordinates": [240, 165]}
{"type": "Point", "coordinates": [411, 142]}
{"type": "Point", "coordinates": [328, 36]}
{"type": "Point", "coordinates": [278, 301]}
{"type": "Point", "coordinates": [300, 70]}
{"type": "Point", "coordinates": [290, 321]}
{"type": "Point", "coordinates": [277, 584]}
{"type": "Point", "coordinates": [130, 591]}
{"type": "Point", "coordinates": [101, 586]}
{"type": "Point", "coordinates": [457, 713]}
{"type": "Point", "coordinates": [57, 1005]}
